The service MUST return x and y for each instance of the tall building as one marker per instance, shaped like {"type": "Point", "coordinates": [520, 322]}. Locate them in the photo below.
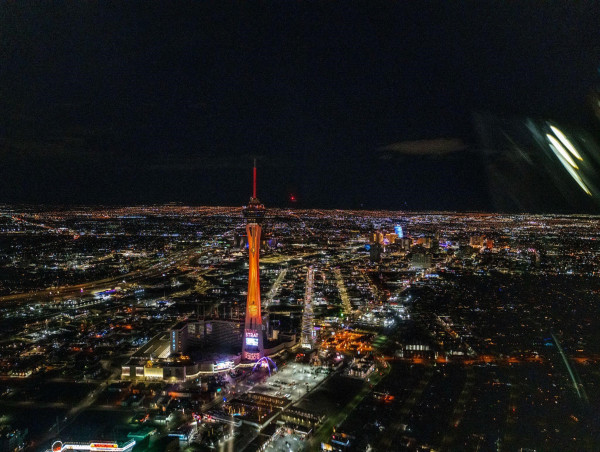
{"type": "Point", "coordinates": [179, 338]}
{"type": "Point", "coordinates": [398, 231]}
{"type": "Point", "coordinates": [308, 327]}
{"type": "Point", "coordinates": [377, 237]}
{"type": "Point", "coordinates": [390, 239]}
{"type": "Point", "coordinates": [404, 244]}
{"type": "Point", "coordinates": [375, 252]}
{"type": "Point", "coordinates": [254, 212]}
{"type": "Point", "coordinates": [425, 241]}
{"type": "Point", "coordinates": [476, 241]}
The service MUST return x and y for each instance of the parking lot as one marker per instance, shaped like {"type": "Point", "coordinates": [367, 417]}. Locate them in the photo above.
{"type": "Point", "coordinates": [284, 442]}
{"type": "Point", "coordinates": [293, 381]}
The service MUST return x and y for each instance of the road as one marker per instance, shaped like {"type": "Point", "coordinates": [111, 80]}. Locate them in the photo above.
{"type": "Point", "coordinates": [346, 306]}
{"type": "Point", "coordinates": [155, 269]}
{"type": "Point", "coordinates": [275, 287]}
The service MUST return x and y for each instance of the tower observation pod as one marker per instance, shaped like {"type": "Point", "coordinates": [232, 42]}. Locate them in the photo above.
{"type": "Point", "coordinates": [254, 213]}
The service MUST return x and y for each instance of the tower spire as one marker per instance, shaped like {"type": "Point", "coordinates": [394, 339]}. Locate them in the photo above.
{"type": "Point", "coordinates": [254, 180]}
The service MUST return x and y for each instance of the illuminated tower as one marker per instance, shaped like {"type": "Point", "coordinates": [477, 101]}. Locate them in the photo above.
{"type": "Point", "coordinates": [254, 212]}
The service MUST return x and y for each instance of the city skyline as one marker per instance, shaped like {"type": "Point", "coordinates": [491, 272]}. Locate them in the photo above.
{"type": "Point", "coordinates": [125, 326]}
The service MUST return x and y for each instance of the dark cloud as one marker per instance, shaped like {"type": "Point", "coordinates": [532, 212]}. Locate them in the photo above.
{"type": "Point", "coordinates": [437, 147]}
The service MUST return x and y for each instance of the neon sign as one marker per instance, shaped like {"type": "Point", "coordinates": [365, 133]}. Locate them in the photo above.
{"type": "Point", "coordinates": [265, 362]}
{"type": "Point", "coordinates": [58, 446]}
{"type": "Point", "coordinates": [252, 338]}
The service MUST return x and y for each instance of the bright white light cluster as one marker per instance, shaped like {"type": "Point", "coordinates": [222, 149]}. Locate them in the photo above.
{"type": "Point", "coordinates": [565, 151]}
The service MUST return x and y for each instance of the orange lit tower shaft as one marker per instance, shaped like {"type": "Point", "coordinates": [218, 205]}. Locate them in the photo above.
{"type": "Point", "coordinates": [252, 348]}
{"type": "Point", "coordinates": [253, 315]}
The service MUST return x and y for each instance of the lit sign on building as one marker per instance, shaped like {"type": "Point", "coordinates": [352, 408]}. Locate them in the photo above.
{"type": "Point", "coordinates": [96, 447]}
{"type": "Point", "coordinates": [252, 338]}
{"type": "Point", "coordinates": [153, 372]}
{"type": "Point", "coordinates": [223, 365]}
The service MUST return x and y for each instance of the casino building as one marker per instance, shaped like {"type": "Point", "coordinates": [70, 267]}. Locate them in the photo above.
{"type": "Point", "coordinates": [194, 348]}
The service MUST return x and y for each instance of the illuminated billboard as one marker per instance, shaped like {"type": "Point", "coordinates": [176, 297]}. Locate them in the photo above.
{"type": "Point", "coordinates": [223, 365]}
{"type": "Point", "coordinates": [252, 338]}
{"type": "Point", "coordinates": [58, 446]}
{"type": "Point", "coordinates": [153, 372]}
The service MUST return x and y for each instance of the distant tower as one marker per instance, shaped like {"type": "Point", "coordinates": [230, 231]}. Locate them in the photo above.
{"type": "Point", "coordinates": [252, 348]}
{"type": "Point", "coordinates": [308, 337]}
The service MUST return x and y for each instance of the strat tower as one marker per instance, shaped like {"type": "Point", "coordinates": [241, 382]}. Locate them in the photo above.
{"type": "Point", "coordinates": [254, 212]}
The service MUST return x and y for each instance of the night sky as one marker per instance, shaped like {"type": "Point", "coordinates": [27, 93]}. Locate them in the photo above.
{"type": "Point", "coordinates": [345, 105]}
